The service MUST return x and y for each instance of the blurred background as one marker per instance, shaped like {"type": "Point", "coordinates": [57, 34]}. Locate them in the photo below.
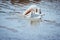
{"type": "Point", "coordinates": [13, 26]}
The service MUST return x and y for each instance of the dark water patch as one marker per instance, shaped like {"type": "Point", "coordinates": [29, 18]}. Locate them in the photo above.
{"type": "Point", "coordinates": [10, 38]}
{"type": "Point", "coordinates": [44, 37]}
{"type": "Point", "coordinates": [51, 22]}
{"type": "Point", "coordinates": [57, 35]}
{"type": "Point", "coordinates": [57, 24]}
{"type": "Point", "coordinates": [5, 7]}
{"type": "Point", "coordinates": [2, 12]}
{"type": "Point", "coordinates": [11, 29]}
{"type": "Point", "coordinates": [15, 39]}
{"type": "Point", "coordinates": [58, 14]}
{"type": "Point", "coordinates": [14, 12]}
{"type": "Point", "coordinates": [12, 19]}
{"type": "Point", "coordinates": [48, 37]}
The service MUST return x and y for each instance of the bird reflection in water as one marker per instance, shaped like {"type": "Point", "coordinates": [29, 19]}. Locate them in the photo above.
{"type": "Point", "coordinates": [35, 22]}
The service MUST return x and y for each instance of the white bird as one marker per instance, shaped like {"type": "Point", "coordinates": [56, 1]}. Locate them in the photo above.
{"type": "Point", "coordinates": [33, 12]}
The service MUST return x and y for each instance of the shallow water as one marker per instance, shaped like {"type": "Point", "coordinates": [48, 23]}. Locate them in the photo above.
{"type": "Point", "coordinates": [13, 26]}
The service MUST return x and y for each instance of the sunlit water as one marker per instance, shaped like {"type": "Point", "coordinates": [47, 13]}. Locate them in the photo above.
{"type": "Point", "coordinates": [13, 26]}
